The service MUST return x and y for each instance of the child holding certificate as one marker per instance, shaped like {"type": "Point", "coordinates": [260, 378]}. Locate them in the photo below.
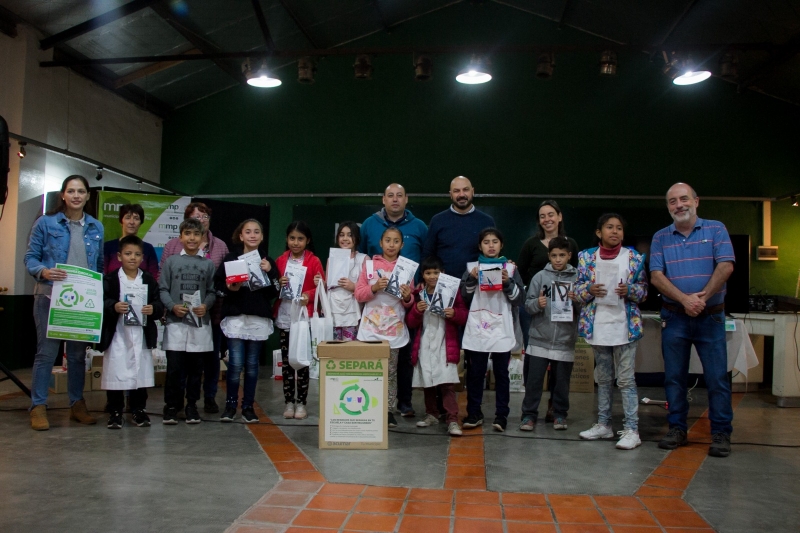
{"type": "Point", "coordinates": [612, 282]}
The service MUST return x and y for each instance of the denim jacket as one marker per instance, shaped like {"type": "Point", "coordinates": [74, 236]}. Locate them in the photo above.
{"type": "Point", "coordinates": [49, 244]}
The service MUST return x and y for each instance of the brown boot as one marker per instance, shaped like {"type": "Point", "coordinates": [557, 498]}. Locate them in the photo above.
{"type": "Point", "coordinates": [79, 413]}
{"type": "Point", "coordinates": [39, 418]}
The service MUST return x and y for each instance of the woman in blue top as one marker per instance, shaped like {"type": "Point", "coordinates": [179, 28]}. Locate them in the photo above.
{"type": "Point", "coordinates": [68, 236]}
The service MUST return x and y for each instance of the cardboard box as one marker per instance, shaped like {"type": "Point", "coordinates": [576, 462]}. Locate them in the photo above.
{"type": "Point", "coordinates": [354, 395]}
{"type": "Point", "coordinates": [58, 381]}
{"type": "Point", "coordinates": [97, 372]}
{"type": "Point", "coordinates": [161, 379]}
{"type": "Point", "coordinates": [582, 379]}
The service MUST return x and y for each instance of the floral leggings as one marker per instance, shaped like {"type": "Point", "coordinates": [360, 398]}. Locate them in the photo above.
{"type": "Point", "coordinates": [393, 353]}
{"type": "Point", "coordinates": [288, 374]}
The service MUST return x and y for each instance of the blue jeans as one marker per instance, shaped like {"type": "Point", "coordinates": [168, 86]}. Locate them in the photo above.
{"type": "Point", "coordinates": [707, 332]}
{"type": "Point", "coordinates": [619, 361]}
{"type": "Point", "coordinates": [242, 353]}
{"type": "Point", "coordinates": [46, 354]}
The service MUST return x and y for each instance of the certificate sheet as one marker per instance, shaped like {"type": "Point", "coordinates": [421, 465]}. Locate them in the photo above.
{"type": "Point", "coordinates": [76, 305]}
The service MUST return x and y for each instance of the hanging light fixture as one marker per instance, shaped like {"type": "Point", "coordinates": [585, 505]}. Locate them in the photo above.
{"type": "Point", "coordinates": [363, 67]}
{"type": "Point", "coordinates": [476, 72]}
{"type": "Point", "coordinates": [259, 78]}
{"type": "Point", "coordinates": [544, 66]}
{"type": "Point", "coordinates": [306, 68]}
{"type": "Point", "coordinates": [684, 71]}
{"type": "Point", "coordinates": [99, 174]}
{"type": "Point", "coordinates": [608, 63]}
{"type": "Point", "coordinates": [22, 152]}
{"type": "Point", "coordinates": [423, 68]}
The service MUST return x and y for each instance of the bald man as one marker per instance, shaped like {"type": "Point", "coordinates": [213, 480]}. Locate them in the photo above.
{"type": "Point", "coordinates": [690, 261]}
{"type": "Point", "coordinates": [453, 233]}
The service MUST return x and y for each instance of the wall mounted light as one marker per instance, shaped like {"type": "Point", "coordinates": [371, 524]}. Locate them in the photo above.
{"type": "Point", "coordinates": [99, 174]}
{"type": "Point", "coordinates": [260, 78]}
{"type": "Point", "coordinates": [544, 66]}
{"type": "Point", "coordinates": [476, 72]}
{"type": "Point", "coordinates": [729, 66]}
{"type": "Point", "coordinates": [306, 68]}
{"type": "Point", "coordinates": [423, 68]}
{"type": "Point", "coordinates": [608, 63]}
{"type": "Point", "coordinates": [22, 152]}
{"type": "Point", "coordinates": [363, 67]}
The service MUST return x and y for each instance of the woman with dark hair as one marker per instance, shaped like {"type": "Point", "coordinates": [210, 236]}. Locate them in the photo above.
{"type": "Point", "coordinates": [532, 259]}
{"type": "Point", "coordinates": [214, 249]}
{"type": "Point", "coordinates": [70, 236]}
{"type": "Point", "coordinates": [131, 217]}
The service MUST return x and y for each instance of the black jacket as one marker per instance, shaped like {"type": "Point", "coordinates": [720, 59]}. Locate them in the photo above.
{"type": "Point", "coordinates": [244, 301]}
{"type": "Point", "coordinates": [111, 292]}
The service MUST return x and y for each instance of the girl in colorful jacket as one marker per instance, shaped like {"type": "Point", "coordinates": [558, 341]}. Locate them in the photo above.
{"type": "Point", "coordinates": [611, 283]}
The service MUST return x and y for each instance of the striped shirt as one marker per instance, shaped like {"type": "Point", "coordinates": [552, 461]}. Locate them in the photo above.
{"type": "Point", "coordinates": [689, 262]}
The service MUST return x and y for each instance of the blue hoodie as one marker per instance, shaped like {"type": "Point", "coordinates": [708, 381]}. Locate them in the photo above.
{"type": "Point", "coordinates": [414, 234]}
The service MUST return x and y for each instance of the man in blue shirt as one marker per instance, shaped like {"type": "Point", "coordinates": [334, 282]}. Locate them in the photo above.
{"type": "Point", "coordinates": [453, 233]}
{"type": "Point", "coordinates": [690, 262]}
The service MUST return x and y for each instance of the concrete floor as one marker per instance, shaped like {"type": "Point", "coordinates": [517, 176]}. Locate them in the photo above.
{"type": "Point", "coordinates": [201, 478]}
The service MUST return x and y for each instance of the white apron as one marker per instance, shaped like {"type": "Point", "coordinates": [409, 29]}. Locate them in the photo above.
{"type": "Point", "coordinates": [383, 319]}
{"type": "Point", "coordinates": [611, 322]}
{"type": "Point", "coordinates": [490, 324]}
{"type": "Point", "coordinates": [127, 362]}
{"type": "Point", "coordinates": [345, 308]}
{"type": "Point", "coordinates": [432, 368]}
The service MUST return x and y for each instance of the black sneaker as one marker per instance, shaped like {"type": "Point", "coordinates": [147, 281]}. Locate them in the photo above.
{"type": "Point", "coordinates": [500, 423]}
{"type": "Point", "coordinates": [229, 414]}
{"type": "Point", "coordinates": [192, 416]}
{"type": "Point", "coordinates": [675, 437]}
{"type": "Point", "coordinates": [141, 419]}
{"type": "Point", "coordinates": [115, 421]}
{"type": "Point", "coordinates": [210, 406]}
{"type": "Point", "coordinates": [720, 445]}
{"type": "Point", "coordinates": [392, 421]}
{"type": "Point", "coordinates": [170, 416]}
{"type": "Point", "coordinates": [249, 415]}
{"type": "Point", "coordinates": [472, 421]}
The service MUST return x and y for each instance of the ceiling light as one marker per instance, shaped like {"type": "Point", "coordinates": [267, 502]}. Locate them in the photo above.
{"type": "Point", "coordinates": [795, 203]}
{"type": "Point", "coordinates": [423, 68]}
{"type": "Point", "coordinates": [476, 72]}
{"type": "Point", "coordinates": [544, 66]}
{"type": "Point", "coordinates": [608, 63]}
{"type": "Point", "coordinates": [729, 66]}
{"type": "Point", "coordinates": [259, 78]}
{"type": "Point", "coordinates": [306, 68]}
{"type": "Point", "coordinates": [363, 68]}
{"type": "Point", "coordinates": [21, 152]}
{"type": "Point", "coordinates": [684, 71]}
{"type": "Point", "coordinates": [99, 174]}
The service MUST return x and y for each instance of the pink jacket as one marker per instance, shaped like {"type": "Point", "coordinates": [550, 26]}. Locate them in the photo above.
{"type": "Point", "coordinates": [313, 266]}
{"type": "Point", "coordinates": [364, 289]}
{"type": "Point", "coordinates": [452, 337]}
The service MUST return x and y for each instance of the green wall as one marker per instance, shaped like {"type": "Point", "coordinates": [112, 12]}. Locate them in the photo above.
{"type": "Point", "coordinates": [634, 134]}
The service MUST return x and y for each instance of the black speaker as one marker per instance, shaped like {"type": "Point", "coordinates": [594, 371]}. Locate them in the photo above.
{"type": "Point", "coordinates": [5, 146]}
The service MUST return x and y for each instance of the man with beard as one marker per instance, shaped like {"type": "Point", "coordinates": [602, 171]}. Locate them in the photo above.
{"type": "Point", "coordinates": [690, 262]}
{"type": "Point", "coordinates": [453, 233]}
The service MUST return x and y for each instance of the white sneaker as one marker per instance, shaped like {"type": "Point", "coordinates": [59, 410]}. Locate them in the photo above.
{"type": "Point", "coordinates": [598, 431]}
{"type": "Point", "coordinates": [289, 412]}
{"type": "Point", "coordinates": [300, 412]}
{"type": "Point", "coordinates": [629, 439]}
{"type": "Point", "coordinates": [429, 420]}
{"type": "Point", "coordinates": [453, 429]}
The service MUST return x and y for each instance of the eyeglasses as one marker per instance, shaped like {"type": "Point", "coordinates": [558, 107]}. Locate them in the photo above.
{"type": "Point", "coordinates": [202, 218]}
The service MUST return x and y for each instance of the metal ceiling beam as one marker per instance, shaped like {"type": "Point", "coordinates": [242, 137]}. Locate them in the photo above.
{"type": "Point", "coordinates": [262, 23]}
{"type": "Point", "coordinates": [8, 22]}
{"type": "Point", "coordinates": [193, 35]}
{"type": "Point", "coordinates": [782, 55]}
{"type": "Point", "coordinates": [563, 18]}
{"type": "Point", "coordinates": [93, 24]}
{"type": "Point", "coordinates": [298, 23]}
{"type": "Point", "coordinates": [150, 69]}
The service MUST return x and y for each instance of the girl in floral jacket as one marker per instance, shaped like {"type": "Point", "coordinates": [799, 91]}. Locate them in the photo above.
{"type": "Point", "coordinates": [611, 283]}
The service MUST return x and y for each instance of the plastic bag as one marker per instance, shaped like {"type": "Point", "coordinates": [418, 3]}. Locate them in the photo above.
{"type": "Point", "coordinates": [300, 341]}
{"type": "Point", "coordinates": [515, 367]}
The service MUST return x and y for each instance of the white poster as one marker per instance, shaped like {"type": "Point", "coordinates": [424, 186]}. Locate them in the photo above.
{"type": "Point", "coordinates": [560, 304]}
{"type": "Point", "coordinates": [297, 275]}
{"type": "Point", "coordinates": [338, 266]}
{"type": "Point", "coordinates": [403, 274]}
{"type": "Point", "coordinates": [76, 306]}
{"type": "Point", "coordinates": [257, 279]}
{"type": "Point", "coordinates": [608, 275]}
{"type": "Point", "coordinates": [353, 400]}
{"type": "Point", "coordinates": [444, 295]}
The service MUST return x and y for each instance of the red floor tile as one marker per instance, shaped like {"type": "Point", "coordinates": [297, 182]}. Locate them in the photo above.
{"type": "Point", "coordinates": [667, 482]}
{"type": "Point", "coordinates": [528, 514]}
{"type": "Point", "coordinates": [332, 503]}
{"type": "Point", "coordinates": [677, 462]}
{"type": "Point", "coordinates": [666, 504]}
{"type": "Point", "coordinates": [569, 500]}
{"type": "Point", "coordinates": [465, 483]}
{"type": "Point", "coordinates": [467, 451]}
{"type": "Point", "coordinates": [371, 522]}
{"type": "Point", "coordinates": [418, 524]}
{"type": "Point", "coordinates": [636, 529]}
{"type": "Point", "coordinates": [342, 489]}
{"type": "Point", "coordinates": [287, 499]}
{"type": "Point", "coordinates": [309, 530]}
{"type": "Point", "coordinates": [465, 460]}
{"type": "Point", "coordinates": [398, 493]}
{"type": "Point", "coordinates": [657, 491]}
{"type": "Point", "coordinates": [618, 502]}
{"type": "Point", "coordinates": [428, 508]}
{"type": "Point", "coordinates": [269, 514]}
{"type": "Point", "coordinates": [379, 505]}
{"type": "Point", "coordinates": [287, 456]}
{"type": "Point", "coordinates": [529, 500]}
{"type": "Point", "coordinates": [294, 466]}
{"type": "Point", "coordinates": [431, 495]}
{"type": "Point", "coordinates": [680, 519]}
{"type": "Point", "coordinates": [304, 476]}
{"type": "Point", "coordinates": [628, 517]}
{"type": "Point", "coordinates": [527, 527]}
{"type": "Point", "coordinates": [311, 518]}
{"type": "Point", "coordinates": [467, 441]}
{"type": "Point", "coordinates": [583, 528]}
{"type": "Point", "coordinates": [297, 486]}
{"type": "Point", "coordinates": [575, 515]}
{"type": "Point", "coordinates": [475, 510]}
{"type": "Point", "coordinates": [487, 498]}
{"type": "Point", "coordinates": [688, 530]}
{"type": "Point", "coordinates": [466, 471]}
{"type": "Point", "coordinates": [669, 471]}
{"type": "Point", "coordinates": [465, 525]}
{"type": "Point", "coordinates": [251, 528]}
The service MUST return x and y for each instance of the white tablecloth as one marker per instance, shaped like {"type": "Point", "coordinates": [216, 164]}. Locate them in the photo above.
{"type": "Point", "coordinates": [741, 355]}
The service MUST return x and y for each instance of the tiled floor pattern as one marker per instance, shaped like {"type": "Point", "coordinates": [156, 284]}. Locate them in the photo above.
{"type": "Point", "coordinates": [304, 502]}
